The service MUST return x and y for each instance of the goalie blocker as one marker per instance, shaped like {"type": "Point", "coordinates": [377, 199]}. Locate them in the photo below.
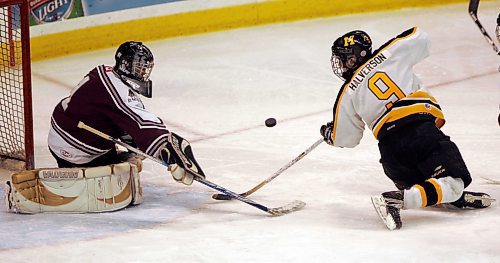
{"type": "Point", "coordinates": [75, 190]}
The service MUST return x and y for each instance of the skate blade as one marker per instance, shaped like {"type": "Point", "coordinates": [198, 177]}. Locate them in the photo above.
{"type": "Point", "coordinates": [486, 200]}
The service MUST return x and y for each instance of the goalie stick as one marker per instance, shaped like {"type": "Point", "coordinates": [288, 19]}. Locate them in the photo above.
{"type": "Point", "coordinates": [473, 5]}
{"type": "Point", "coordinates": [277, 211]}
{"type": "Point", "coordinates": [282, 169]}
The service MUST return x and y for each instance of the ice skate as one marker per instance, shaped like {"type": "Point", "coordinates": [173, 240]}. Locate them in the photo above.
{"type": "Point", "coordinates": [473, 200]}
{"type": "Point", "coordinates": [388, 206]}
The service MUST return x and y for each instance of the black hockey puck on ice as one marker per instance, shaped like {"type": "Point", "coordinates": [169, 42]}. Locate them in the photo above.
{"type": "Point", "coordinates": [270, 122]}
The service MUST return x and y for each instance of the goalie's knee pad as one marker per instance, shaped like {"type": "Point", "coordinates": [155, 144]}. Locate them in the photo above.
{"type": "Point", "coordinates": [74, 190]}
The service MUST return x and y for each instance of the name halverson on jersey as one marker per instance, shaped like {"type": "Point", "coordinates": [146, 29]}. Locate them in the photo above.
{"type": "Point", "coordinates": [366, 69]}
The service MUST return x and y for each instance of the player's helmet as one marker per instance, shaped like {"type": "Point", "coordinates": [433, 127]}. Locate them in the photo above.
{"type": "Point", "coordinates": [349, 52]}
{"type": "Point", "coordinates": [134, 63]}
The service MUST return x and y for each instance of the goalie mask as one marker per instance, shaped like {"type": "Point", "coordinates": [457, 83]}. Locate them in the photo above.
{"type": "Point", "coordinates": [349, 52]}
{"type": "Point", "coordinates": [134, 63]}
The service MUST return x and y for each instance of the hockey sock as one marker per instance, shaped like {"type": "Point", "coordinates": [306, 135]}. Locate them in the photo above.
{"type": "Point", "coordinates": [433, 191]}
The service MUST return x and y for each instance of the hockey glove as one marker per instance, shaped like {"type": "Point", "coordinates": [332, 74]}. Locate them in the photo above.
{"type": "Point", "coordinates": [178, 173]}
{"type": "Point", "coordinates": [326, 132]}
{"type": "Point", "coordinates": [178, 155]}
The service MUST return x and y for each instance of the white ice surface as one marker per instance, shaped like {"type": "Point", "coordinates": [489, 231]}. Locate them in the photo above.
{"type": "Point", "coordinates": [216, 90]}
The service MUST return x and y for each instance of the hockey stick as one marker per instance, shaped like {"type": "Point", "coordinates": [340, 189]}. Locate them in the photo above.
{"type": "Point", "coordinates": [277, 211]}
{"type": "Point", "coordinates": [282, 169]}
{"type": "Point", "coordinates": [491, 180]}
{"type": "Point", "coordinates": [473, 5]}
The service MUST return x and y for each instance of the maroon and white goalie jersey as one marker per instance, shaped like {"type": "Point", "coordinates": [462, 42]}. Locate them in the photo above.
{"type": "Point", "coordinates": [103, 101]}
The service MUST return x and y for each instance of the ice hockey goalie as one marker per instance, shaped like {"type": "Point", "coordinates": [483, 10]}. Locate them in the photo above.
{"type": "Point", "coordinates": [74, 190]}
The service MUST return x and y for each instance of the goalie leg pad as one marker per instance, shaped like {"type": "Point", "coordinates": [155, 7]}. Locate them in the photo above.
{"type": "Point", "coordinates": [74, 190]}
{"type": "Point", "coordinates": [134, 168]}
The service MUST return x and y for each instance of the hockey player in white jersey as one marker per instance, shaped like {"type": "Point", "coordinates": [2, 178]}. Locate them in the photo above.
{"type": "Point", "coordinates": [382, 92]}
{"type": "Point", "coordinates": [108, 100]}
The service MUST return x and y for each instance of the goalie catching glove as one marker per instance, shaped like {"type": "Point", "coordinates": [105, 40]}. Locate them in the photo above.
{"type": "Point", "coordinates": [178, 155]}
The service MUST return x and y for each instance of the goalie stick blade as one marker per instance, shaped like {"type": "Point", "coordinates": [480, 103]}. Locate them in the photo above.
{"type": "Point", "coordinates": [277, 211]}
{"type": "Point", "coordinates": [379, 204]}
{"type": "Point", "coordinates": [286, 209]}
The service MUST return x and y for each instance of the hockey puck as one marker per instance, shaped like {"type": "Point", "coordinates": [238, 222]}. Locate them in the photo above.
{"type": "Point", "coordinates": [221, 197]}
{"type": "Point", "coordinates": [270, 122]}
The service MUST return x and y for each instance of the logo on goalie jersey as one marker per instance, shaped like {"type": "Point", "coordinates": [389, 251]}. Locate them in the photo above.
{"type": "Point", "coordinates": [66, 154]}
{"type": "Point", "coordinates": [133, 99]}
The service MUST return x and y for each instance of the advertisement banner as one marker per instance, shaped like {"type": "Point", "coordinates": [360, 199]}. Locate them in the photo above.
{"type": "Point", "coordinates": [46, 11]}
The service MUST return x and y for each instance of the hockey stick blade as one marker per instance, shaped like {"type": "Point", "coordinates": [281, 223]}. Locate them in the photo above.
{"type": "Point", "coordinates": [281, 170]}
{"type": "Point", "coordinates": [286, 209]}
{"type": "Point", "coordinates": [277, 211]}
{"type": "Point", "coordinates": [473, 6]}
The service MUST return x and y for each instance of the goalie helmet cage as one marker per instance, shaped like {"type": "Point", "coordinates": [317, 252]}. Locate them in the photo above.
{"type": "Point", "coordinates": [16, 116]}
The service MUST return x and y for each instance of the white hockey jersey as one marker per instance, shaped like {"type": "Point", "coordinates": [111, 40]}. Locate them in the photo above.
{"type": "Point", "coordinates": [384, 91]}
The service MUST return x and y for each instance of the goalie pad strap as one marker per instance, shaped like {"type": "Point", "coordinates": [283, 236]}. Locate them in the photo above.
{"type": "Point", "coordinates": [74, 190]}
